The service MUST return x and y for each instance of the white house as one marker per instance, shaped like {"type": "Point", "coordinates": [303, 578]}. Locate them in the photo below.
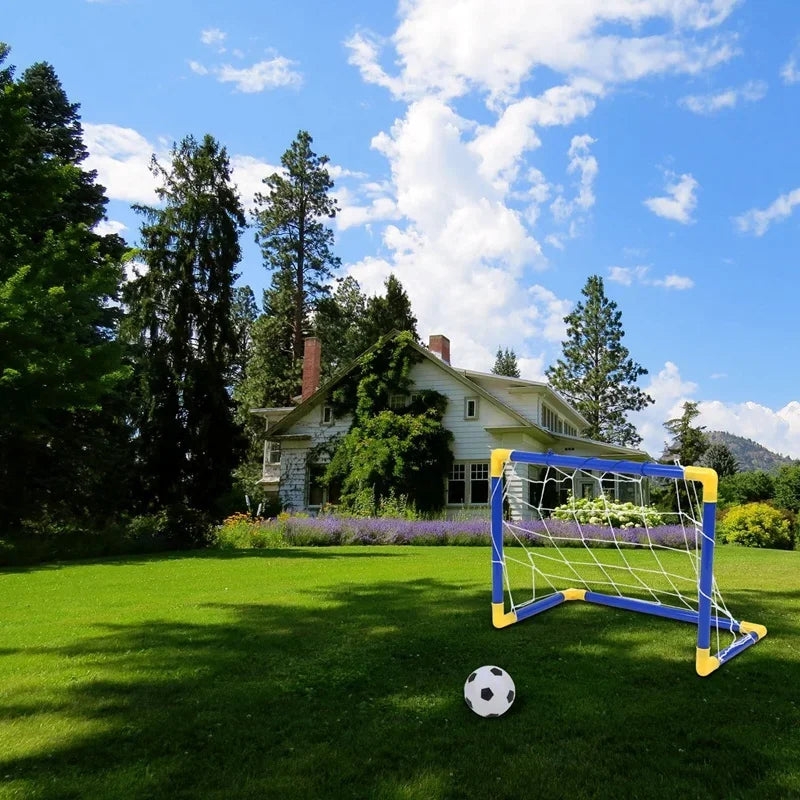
{"type": "Point", "coordinates": [484, 411]}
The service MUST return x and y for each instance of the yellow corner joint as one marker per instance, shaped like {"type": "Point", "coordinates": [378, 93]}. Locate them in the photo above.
{"type": "Point", "coordinates": [706, 476]}
{"type": "Point", "coordinates": [499, 458]}
{"type": "Point", "coordinates": [751, 627]}
{"type": "Point", "coordinates": [706, 663]}
{"type": "Point", "coordinates": [499, 617]}
{"type": "Point", "coordinates": [574, 594]}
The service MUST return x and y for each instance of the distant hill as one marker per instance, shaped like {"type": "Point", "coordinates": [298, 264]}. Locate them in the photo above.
{"type": "Point", "coordinates": [750, 455]}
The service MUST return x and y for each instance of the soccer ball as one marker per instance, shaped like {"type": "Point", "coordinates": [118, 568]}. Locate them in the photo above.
{"type": "Point", "coordinates": [489, 691]}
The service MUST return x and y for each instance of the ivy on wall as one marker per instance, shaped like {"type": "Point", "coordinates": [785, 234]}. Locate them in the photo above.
{"type": "Point", "coordinates": [390, 452]}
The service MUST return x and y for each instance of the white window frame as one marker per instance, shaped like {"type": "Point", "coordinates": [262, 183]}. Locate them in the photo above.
{"type": "Point", "coordinates": [467, 466]}
{"type": "Point", "coordinates": [398, 401]}
{"type": "Point", "coordinates": [323, 421]}
{"type": "Point", "coordinates": [467, 401]}
{"type": "Point", "coordinates": [271, 450]}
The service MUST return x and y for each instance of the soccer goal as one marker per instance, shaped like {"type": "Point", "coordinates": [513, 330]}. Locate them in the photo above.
{"type": "Point", "coordinates": [572, 528]}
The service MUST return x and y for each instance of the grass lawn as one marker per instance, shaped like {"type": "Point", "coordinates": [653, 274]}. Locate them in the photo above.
{"type": "Point", "coordinates": [328, 673]}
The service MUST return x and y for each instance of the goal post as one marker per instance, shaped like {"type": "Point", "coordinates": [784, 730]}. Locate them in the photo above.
{"type": "Point", "coordinates": [672, 585]}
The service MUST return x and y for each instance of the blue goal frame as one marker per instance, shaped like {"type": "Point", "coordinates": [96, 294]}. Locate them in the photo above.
{"type": "Point", "coordinates": [705, 662]}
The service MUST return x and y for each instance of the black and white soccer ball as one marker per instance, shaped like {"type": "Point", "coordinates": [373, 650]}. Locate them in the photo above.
{"type": "Point", "coordinates": [489, 691]}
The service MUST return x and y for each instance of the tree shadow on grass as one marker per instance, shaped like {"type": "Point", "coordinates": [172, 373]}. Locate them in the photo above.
{"type": "Point", "coordinates": [311, 552]}
{"type": "Point", "coordinates": [359, 695]}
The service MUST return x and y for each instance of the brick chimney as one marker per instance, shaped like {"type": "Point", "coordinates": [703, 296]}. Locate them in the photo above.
{"type": "Point", "coordinates": [440, 346]}
{"type": "Point", "coordinates": [312, 357]}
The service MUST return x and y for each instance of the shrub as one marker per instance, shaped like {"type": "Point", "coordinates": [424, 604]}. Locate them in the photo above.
{"type": "Point", "coordinates": [787, 487]}
{"type": "Point", "coordinates": [240, 531]}
{"type": "Point", "coordinates": [597, 511]}
{"type": "Point", "coordinates": [757, 525]}
{"type": "Point", "coordinates": [746, 487]}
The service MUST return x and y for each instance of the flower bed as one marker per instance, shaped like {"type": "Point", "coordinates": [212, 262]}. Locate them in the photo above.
{"type": "Point", "coordinates": [298, 530]}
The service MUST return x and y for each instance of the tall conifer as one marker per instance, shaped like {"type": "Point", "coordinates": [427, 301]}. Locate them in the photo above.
{"type": "Point", "coordinates": [596, 373]}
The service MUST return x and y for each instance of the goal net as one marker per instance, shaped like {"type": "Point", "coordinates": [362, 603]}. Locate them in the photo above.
{"type": "Point", "coordinates": [572, 528]}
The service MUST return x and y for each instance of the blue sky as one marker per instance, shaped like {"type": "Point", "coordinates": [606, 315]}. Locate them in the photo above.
{"type": "Point", "coordinates": [493, 156]}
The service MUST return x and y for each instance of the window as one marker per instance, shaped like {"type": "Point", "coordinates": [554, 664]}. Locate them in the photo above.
{"type": "Point", "coordinates": [479, 483]}
{"type": "Point", "coordinates": [457, 485]}
{"type": "Point", "coordinates": [470, 408]}
{"type": "Point", "coordinates": [549, 418]}
{"type": "Point", "coordinates": [327, 415]}
{"type": "Point", "coordinates": [468, 484]}
{"type": "Point", "coordinates": [416, 396]}
{"type": "Point", "coordinates": [397, 402]}
{"type": "Point", "coordinates": [587, 490]}
{"type": "Point", "coordinates": [318, 493]}
{"type": "Point", "coordinates": [570, 429]}
{"type": "Point", "coordinates": [273, 453]}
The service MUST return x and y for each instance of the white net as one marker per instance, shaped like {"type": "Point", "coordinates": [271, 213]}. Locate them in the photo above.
{"type": "Point", "coordinates": [583, 529]}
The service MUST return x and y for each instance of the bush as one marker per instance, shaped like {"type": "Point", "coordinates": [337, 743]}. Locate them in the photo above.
{"type": "Point", "coordinates": [746, 487]}
{"type": "Point", "coordinates": [787, 488]}
{"type": "Point", "coordinates": [757, 525]}
{"type": "Point", "coordinates": [597, 511]}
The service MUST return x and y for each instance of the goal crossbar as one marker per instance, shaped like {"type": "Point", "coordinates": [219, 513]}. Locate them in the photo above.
{"type": "Point", "coordinates": [706, 662]}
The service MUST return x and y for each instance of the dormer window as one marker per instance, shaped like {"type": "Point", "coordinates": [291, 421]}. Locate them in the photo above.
{"type": "Point", "coordinates": [470, 408]}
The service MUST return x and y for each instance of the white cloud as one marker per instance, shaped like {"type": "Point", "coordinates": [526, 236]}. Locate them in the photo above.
{"type": "Point", "coordinates": [457, 221]}
{"type": "Point", "coordinates": [679, 202]}
{"type": "Point", "coordinates": [121, 157]}
{"type": "Point", "coordinates": [107, 226]}
{"type": "Point", "coordinates": [213, 36]}
{"type": "Point", "coordinates": [729, 98]}
{"type": "Point", "coordinates": [585, 164]}
{"type": "Point", "coordinates": [757, 221]}
{"type": "Point", "coordinates": [248, 174]}
{"type": "Point", "coordinates": [715, 376]}
{"type": "Point", "coordinates": [627, 276]}
{"type": "Point", "coordinates": [789, 71]}
{"type": "Point", "coordinates": [778, 430]}
{"type": "Point", "coordinates": [198, 68]}
{"type": "Point", "coordinates": [674, 281]}
{"type": "Point", "coordinates": [670, 391]}
{"type": "Point", "coordinates": [262, 75]}
{"type": "Point", "coordinates": [449, 47]}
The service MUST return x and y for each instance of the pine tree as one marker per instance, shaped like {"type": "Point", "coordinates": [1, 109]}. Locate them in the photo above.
{"type": "Point", "coordinates": [244, 312]}
{"type": "Point", "coordinates": [296, 246]}
{"type": "Point", "coordinates": [59, 362]}
{"type": "Point", "coordinates": [388, 312]}
{"type": "Point", "coordinates": [505, 363]}
{"type": "Point", "coordinates": [181, 325]}
{"type": "Point", "coordinates": [596, 373]}
{"type": "Point", "coordinates": [720, 458]}
{"type": "Point", "coordinates": [689, 443]}
{"type": "Point", "coordinates": [340, 323]}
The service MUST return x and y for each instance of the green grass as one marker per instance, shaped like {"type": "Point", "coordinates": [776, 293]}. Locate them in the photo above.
{"type": "Point", "coordinates": [338, 673]}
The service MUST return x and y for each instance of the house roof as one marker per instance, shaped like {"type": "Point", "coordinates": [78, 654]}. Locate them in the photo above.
{"type": "Point", "coordinates": [462, 375]}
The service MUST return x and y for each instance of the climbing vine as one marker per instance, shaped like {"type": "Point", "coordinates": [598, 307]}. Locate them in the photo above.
{"type": "Point", "coordinates": [390, 452]}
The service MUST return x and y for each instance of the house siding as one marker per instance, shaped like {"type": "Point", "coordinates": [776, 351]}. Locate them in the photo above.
{"type": "Point", "coordinates": [294, 455]}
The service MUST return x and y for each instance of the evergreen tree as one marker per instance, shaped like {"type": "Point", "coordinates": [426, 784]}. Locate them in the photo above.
{"type": "Point", "coordinates": [720, 458]}
{"type": "Point", "coordinates": [59, 362]}
{"type": "Point", "coordinates": [388, 312]}
{"type": "Point", "coordinates": [505, 363]}
{"type": "Point", "coordinates": [181, 325]}
{"type": "Point", "coordinates": [340, 322]}
{"type": "Point", "coordinates": [596, 373]}
{"type": "Point", "coordinates": [296, 246]}
{"type": "Point", "coordinates": [689, 444]}
{"type": "Point", "coordinates": [244, 312]}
